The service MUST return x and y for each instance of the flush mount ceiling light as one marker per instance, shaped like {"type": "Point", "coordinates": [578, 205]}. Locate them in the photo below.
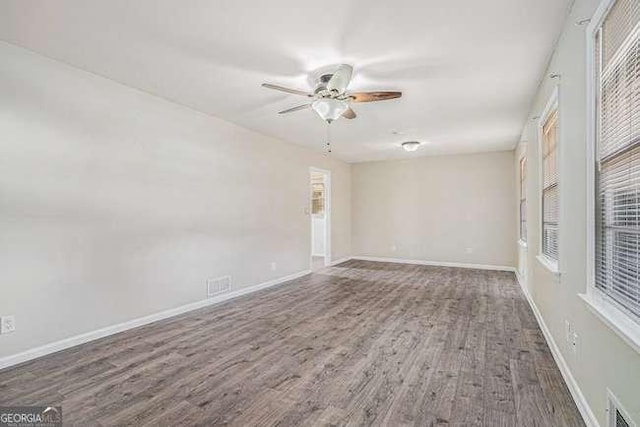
{"type": "Point", "coordinates": [329, 109]}
{"type": "Point", "coordinates": [411, 145]}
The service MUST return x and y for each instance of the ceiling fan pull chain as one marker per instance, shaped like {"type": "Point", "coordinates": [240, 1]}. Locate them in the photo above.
{"type": "Point", "coordinates": [328, 138]}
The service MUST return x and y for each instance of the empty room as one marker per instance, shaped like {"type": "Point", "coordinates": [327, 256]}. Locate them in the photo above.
{"type": "Point", "coordinates": [340, 213]}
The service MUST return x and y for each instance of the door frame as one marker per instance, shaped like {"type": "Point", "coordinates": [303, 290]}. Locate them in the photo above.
{"type": "Point", "coordinates": [327, 214]}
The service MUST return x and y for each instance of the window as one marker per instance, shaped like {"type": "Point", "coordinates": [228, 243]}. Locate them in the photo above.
{"type": "Point", "coordinates": [317, 198]}
{"type": "Point", "coordinates": [523, 199]}
{"type": "Point", "coordinates": [617, 155]}
{"type": "Point", "coordinates": [549, 146]}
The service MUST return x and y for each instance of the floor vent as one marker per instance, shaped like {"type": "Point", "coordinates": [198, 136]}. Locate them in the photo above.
{"type": "Point", "coordinates": [218, 286]}
{"type": "Point", "coordinates": [618, 417]}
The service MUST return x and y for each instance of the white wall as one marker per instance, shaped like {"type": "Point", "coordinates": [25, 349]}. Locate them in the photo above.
{"type": "Point", "coordinates": [603, 359]}
{"type": "Point", "coordinates": [115, 204]}
{"type": "Point", "coordinates": [455, 208]}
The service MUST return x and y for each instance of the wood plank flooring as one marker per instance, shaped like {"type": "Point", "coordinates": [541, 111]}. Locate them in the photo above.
{"type": "Point", "coordinates": [361, 343]}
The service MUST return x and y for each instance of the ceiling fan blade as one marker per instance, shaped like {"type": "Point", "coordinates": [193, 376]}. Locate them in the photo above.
{"type": "Point", "coordinates": [349, 114]}
{"type": "Point", "coordinates": [373, 96]}
{"type": "Point", "coordinates": [298, 108]}
{"type": "Point", "coordinates": [286, 89]}
{"type": "Point", "coordinates": [340, 79]}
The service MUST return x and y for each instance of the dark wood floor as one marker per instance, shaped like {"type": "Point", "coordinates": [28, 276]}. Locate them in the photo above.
{"type": "Point", "coordinates": [361, 343]}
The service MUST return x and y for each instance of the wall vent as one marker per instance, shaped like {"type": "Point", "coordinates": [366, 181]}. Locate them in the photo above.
{"type": "Point", "coordinates": [617, 416]}
{"type": "Point", "coordinates": [218, 286]}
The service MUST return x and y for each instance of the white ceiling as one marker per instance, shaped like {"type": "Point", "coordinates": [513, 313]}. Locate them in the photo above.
{"type": "Point", "coordinates": [468, 68]}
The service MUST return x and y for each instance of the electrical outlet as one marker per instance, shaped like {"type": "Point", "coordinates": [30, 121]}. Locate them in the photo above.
{"type": "Point", "coordinates": [8, 324]}
{"type": "Point", "coordinates": [394, 248]}
{"type": "Point", "coordinates": [274, 266]}
{"type": "Point", "coordinates": [469, 250]}
{"type": "Point", "coordinates": [575, 340]}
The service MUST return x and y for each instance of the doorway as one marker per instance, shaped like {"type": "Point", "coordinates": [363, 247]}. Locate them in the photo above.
{"type": "Point", "coordinates": [320, 191]}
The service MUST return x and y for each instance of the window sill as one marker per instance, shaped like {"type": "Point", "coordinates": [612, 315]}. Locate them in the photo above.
{"type": "Point", "coordinates": [522, 243]}
{"type": "Point", "coordinates": [549, 264]}
{"type": "Point", "coordinates": [615, 319]}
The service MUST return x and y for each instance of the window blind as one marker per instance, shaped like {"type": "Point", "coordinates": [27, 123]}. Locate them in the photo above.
{"type": "Point", "coordinates": [619, 23]}
{"type": "Point", "coordinates": [618, 155]}
{"type": "Point", "coordinates": [523, 199]}
{"type": "Point", "coordinates": [550, 186]}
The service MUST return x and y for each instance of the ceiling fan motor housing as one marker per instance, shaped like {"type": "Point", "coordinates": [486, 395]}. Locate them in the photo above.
{"type": "Point", "coordinates": [324, 79]}
{"type": "Point", "coordinates": [321, 85]}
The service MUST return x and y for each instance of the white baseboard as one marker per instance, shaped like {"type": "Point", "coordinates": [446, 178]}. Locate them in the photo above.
{"type": "Point", "coordinates": [340, 261]}
{"type": "Point", "coordinates": [436, 263]}
{"type": "Point", "coordinates": [581, 402]}
{"type": "Point", "coordinates": [523, 285]}
{"type": "Point", "coordinates": [53, 347]}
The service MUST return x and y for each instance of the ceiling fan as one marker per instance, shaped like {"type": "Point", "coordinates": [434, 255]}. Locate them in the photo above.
{"type": "Point", "coordinates": [330, 98]}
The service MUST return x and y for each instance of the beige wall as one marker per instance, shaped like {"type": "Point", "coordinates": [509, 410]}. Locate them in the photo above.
{"type": "Point", "coordinates": [455, 208]}
{"type": "Point", "coordinates": [603, 360]}
{"type": "Point", "coordinates": [115, 204]}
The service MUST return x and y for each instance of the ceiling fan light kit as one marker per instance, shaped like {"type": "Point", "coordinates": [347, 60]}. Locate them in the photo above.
{"type": "Point", "coordinates": [411, 145]}
{"type": "Point", "coordinates": [329, 109]}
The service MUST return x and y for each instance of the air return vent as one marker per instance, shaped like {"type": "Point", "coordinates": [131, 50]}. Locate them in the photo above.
{"type": "Point", "coordinates": [218, 286]}
{"type": "Point", "coordinates": [617, 416]}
